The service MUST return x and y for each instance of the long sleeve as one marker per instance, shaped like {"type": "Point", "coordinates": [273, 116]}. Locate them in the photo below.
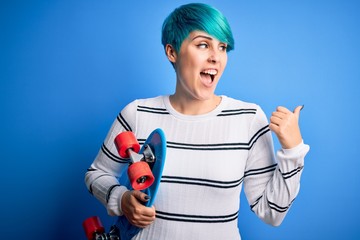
{"type": "Point", "coordinates": [272, 183]}
{"type": "Point", "coordinates": [102, 177]}
{"type": "Point", "coordinates": [210, 158]}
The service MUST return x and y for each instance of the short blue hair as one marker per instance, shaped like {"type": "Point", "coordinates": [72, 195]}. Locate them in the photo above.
{"type": "Point", "coordinates": [195, 17]}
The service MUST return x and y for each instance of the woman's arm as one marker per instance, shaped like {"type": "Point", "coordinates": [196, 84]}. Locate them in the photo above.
{"type": "Point", "coordinates": [272, 183]}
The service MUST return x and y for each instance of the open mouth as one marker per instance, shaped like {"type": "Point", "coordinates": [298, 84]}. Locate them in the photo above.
{"type": "Point", "coordinates": [209, 75]}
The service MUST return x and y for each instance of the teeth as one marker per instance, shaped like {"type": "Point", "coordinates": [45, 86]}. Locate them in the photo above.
{"type": "Point", "coordinates": [210, 72]}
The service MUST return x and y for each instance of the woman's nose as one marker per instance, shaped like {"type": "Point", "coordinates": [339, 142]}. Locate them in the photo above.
{"type": "Point", "coordinates": [213, 56]}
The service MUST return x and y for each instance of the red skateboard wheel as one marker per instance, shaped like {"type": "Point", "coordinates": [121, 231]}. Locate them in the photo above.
{"type": "Point", "coordinates": [140, 175]}
{"type": "Point", "coordinates": [93, 225]}
{"type": "Point", "coordinates": [125, 141]}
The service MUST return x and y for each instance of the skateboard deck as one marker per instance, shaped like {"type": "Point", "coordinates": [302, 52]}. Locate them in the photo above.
{"type": "Point", "coordinates": [144, 175]}
{"type": "Point", "coordinates": [157, 142]}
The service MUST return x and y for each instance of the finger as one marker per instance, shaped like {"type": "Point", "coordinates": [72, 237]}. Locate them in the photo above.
{"type": "Point", "coordinates": [141, 196]}
{"type": "Point", "coordinates": [146, 213]}
{"type": "Point", "coordinates": [275, 120]}
{"type": "Point", "coordinates": [282, 109]}
{"type": "Point", "coordinates": [274, 127]}
{"type": "Point", "coordinates": [280, 115]}
{"type": "Point", "coordinates": [146, 217]}
{"type": "Point", "coordinates": [297, 110]}
{"type": "Point", "coordinates": [149, 213]}
{"type": "Point", "coordinates": [142, 222]}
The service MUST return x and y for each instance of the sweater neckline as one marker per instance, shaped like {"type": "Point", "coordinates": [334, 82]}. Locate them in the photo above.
{"type": "Point", "coordinates": [213, 113]}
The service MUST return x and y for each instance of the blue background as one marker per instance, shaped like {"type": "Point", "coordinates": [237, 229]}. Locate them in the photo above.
{"type": "Point", "coordinates": [68, 67]}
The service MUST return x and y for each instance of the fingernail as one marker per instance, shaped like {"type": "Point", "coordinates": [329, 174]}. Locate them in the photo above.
{"type": "Point", "coordinates": [147, 197]}
{"type": "Point", "coordinates": [302, 107]}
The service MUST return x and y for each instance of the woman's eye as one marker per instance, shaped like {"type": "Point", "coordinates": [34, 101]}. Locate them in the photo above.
{"type": "Point", "coordinates": [202, 45]}
{"type": "Point", "coordinates": [223, 48]}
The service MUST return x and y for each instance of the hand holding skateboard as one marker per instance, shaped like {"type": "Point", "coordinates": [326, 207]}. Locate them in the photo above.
{"type": "Point", "coordinates": [132, 205]}
{"type": "Point", "coordinates": [144, 175]}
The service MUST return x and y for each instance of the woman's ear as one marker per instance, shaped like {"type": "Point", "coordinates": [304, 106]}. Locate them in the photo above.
{"type": "Point", "coordinates": [170, 53]}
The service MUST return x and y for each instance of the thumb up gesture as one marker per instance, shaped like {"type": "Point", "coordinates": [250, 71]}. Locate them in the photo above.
{"type": "Point", "coordinates": [285, 124]}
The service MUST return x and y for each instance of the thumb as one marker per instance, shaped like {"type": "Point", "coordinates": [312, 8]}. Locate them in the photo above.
{"type": "Point", "coordinates": [297, 111]}
{"type": "Point", "coordinates": [141, 196]}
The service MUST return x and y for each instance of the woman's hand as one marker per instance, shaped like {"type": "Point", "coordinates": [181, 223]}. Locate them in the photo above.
{"type": "Point", "coordinates": [285, 124]}
{"type": "Point", "coordinates": [136, 213]}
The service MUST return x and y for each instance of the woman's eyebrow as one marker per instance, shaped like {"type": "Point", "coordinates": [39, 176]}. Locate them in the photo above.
{"type": "Point", "coordinates": [201, 36]}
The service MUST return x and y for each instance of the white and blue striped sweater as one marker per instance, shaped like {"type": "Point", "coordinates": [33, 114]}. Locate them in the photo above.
{"type": "Point", "coordinates": [209, 158]}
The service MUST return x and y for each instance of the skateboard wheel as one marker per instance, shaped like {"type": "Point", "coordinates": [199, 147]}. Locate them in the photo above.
{"type": "Point", "coordinates": [125, 141]}
{"type": "Point", "coordinates": [92, 226]}
{"type": "Point", "coordinates": [140, 175]}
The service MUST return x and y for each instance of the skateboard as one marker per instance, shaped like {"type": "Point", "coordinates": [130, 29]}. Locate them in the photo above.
{"type": "Point", "coordinates": [144, 173]}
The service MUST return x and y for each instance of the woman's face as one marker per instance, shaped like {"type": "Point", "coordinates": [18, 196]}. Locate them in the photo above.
{"type": "Point", "coordinates": [199, 66]}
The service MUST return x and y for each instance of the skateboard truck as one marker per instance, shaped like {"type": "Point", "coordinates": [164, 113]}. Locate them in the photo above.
{"type": "Point", "coordinates": [147, 155]}
{"type": "Point", "coordinates": [94, 230]}
{"type": "Point", "coordinates": [139, 171]}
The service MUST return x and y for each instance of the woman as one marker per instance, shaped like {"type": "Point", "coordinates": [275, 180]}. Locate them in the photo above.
{"type": "Point", "coordinates": [215, 144]}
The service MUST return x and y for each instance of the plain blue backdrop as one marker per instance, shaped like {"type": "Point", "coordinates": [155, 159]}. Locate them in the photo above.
{"type": "Point", "coordinates": [68, 67]}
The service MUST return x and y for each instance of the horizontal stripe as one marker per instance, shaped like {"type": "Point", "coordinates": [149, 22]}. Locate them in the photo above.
{"type": "Point", "coordinates": [99, 176]}
{"type": "Point", "coordinates": [258, 134]}
{"type": "Point", "coordinates": [218, 146]}
{"type": "Point", "coordinates": [196, 218]}
{"type": "Point", "coordinates": [272, 205]}
{"type": "Point", "coordinates": [201, 182]}
{"type": "Point", "coordinates": [230, 112]}
{"type": "Point", "coordinates": [123, 122]}
{"type": "Point", "coordinates": [208, 147]}
{"type": "Point", "coordinates": [108, 194]}
{"type": "Point", "coordinates": [152, 110]}
{"type": "Point", "coordinates": [292, 173]}
{"type": "Point", "coordinates": [279, 208]}
{"type": "Point", "coordinates": [255, 203]}
{"type": "Point", "coordinates": [237, 112]}
{"type": "Point", "coordinates": [258, 171]}
{"type": "Point", "coordinates": [113, 157]}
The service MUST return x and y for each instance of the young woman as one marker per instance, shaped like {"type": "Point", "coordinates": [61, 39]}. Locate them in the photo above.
{"type": "Point", "coordinates": [215, 144]}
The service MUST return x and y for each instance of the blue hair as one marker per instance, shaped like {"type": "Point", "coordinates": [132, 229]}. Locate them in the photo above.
{"type": "Point", "coordinates": [195, 17]}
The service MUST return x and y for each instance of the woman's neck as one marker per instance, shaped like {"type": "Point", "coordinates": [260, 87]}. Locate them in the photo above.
{"type": "Point", "coordinates": [188, 106]}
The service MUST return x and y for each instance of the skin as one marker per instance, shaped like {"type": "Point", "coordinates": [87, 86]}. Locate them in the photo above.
{"type": "Point", "coordinates": [134, 210]}
{"type": "Point", "coordinates": [285, 124]}
{"type": "Point", "coordinates": [194, 95]}
{"type": "Point", "coordinates": [198, 53]}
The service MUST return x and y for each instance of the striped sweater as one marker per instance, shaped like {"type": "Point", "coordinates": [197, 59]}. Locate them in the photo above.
{"type": "Point", "coordinates": [210, 157]}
